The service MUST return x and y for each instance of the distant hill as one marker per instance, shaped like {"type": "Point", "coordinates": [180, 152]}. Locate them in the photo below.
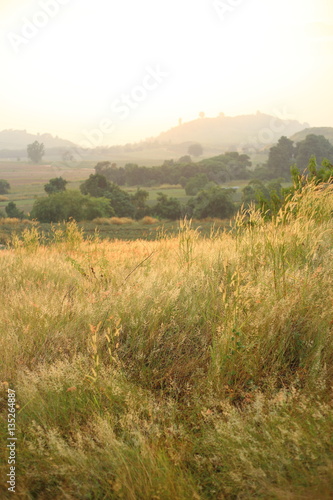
{"type": "Point", "coordinates": [19, 139]}
{"type": "Point", "coordinates": [231, 132]}
{"type": "Point", "coordinates": [327, 132]}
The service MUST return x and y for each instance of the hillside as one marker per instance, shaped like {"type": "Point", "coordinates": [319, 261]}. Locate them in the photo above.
{"type": "Point", "coordinates": [227, 132]}
{"type": "Point", "coordinates": [327, 132]}
{"type": "Point", "coordinates": [19, 139]}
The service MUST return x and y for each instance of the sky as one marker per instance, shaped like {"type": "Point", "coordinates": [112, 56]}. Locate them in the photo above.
{"type": "Point", "coordinates": [111, 72]}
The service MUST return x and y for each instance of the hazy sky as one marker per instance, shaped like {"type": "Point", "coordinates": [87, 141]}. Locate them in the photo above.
{"type": "Point", "coordinates": [120, 71]}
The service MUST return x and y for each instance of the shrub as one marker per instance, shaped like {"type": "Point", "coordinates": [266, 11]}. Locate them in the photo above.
{"type": "Point", "coordinates": [62, 206]}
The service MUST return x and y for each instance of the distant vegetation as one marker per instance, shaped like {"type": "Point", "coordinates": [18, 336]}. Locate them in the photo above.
{"type": "Point", "coordinates": [203, 184]}
{"type": "Point", "coordinates": [35, 151]}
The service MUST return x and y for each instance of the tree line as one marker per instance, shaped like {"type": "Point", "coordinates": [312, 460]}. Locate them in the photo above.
{"type": "Point", "coordinates": [101, 194]}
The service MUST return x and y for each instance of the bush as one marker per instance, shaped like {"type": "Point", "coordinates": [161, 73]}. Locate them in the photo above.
{"type": "Point", "coordinates": [4, 186]}
{"type": "Point", "coordinates": [70, 204]}
{"type": "Point", "coordinates": [167, 208]}
{"type": "Point", "coordinates": [212, 202]}
{"type": "Point", "coordinates": [13, 212]}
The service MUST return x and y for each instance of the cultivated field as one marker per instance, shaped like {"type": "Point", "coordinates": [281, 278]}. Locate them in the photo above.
{"type": "Point", "coordinates": [181, 368]}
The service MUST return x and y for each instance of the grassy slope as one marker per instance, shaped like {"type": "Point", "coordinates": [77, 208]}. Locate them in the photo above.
{"type": "Point", "coordinates": [184, 368]}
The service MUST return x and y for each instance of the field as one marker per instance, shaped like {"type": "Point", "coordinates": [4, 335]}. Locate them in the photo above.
{"type": "Point", "coordinates": [111, 229]}
{"type": "Point", "coordinates": [181, 368]}
{"type": "Point", "coordinates": [27, 180]}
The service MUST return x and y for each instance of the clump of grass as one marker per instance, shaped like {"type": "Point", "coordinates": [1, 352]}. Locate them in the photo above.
{"type": "Point", "coordinates": [147, 220]}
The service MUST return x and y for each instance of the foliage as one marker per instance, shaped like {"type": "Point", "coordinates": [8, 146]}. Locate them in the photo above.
{"type": "Point", "coordinates": [139, 199]}
{"type": "Point", "coordinates": [120, 201]}
{"type": "Point", "coordinates": [212, 202]}
{"type": "Point", "coordinates": [65, 205]}
{"type": "Point", "coordinates": [13, 212]}
{"type": "Point", "coordinates": [313, 145]}
{"type": "Point", "coordinates": [195, 150]}
{"type": "Point", "coordinates": [285, 154]}
{"type": "Point", "coordinates": [97, 185]}
{"type": "Point", "coordinates": [268, 197]}
{"type": "Point", "coordinates": [167, 207]}
{"type": "Point", "coordinates": [221, 168]}
{"type": "Point", "coordinates": [4, 186]}
{"type": "Point", "coordinates": [195, 184]}
{"type": "Point", "coordinates": [55, 185]}
{"type": "Point", "coordinates": [280, 159]}
{"type": "Point", "coordinates": [35, 151]}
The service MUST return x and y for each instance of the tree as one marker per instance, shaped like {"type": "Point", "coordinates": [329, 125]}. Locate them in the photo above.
{"type": "Point", "coordinates": [13, 212]}
{"type": "Point", "coordinates": [313, 145]}
{"type": "Point", "coordinates": [55, 185]}
{"type": "Point", "coordinates": [167, 208]}
{"type": "Point", "coordinates": [96, 185]}
{"type": "Point", "coordinates": [64, 205]}
{"type": "Point", "coordinates": [35, 151]}
{"type": "Point", "coordinates": [139, 199]}
{"type": "Point", "coordinates": [67, 156]}
{"type": "Point", "coordinates": [195, 149]}
{"type": "Point", "coordinates": [185, 159]}
{"type": "Point", "coordinates": [195, 184]}
{"type": "Point", "coordinates": [120, 201]}
{"type": "Point", "coordinates": [280, 159]}
{"type": "Point", "coordinates": [4, 186]}
{"type": "Point", "coordinates": [212, 202]}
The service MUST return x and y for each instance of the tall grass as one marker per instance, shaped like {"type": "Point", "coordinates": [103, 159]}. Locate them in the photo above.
{"type": "Point", "coordinates": [180, 368]}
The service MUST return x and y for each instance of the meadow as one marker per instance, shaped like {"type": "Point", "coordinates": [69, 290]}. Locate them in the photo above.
{"type": "Point", "coordinates": [187, 367]}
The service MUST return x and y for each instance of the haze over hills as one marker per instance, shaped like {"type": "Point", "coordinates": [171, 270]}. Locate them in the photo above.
{"type": "Point", "coordinates": [19, 139]}
{"type": "Point", "coordinates": [231, 132]}
{"type": "Point", "coordinates": [250, 133]}
{"type": "Point", "coordinates": [327, 132]}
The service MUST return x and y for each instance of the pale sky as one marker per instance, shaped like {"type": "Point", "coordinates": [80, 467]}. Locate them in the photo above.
{"type": "Point", "coordinates": [129, 69]}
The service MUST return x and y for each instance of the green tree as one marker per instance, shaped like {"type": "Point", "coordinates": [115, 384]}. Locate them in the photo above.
{"type": "Point", "coordinates": [167, 208]}
{"type": "Point", "coordinates": [35, 151]}
{"type": "Point", "coordinates": [97, 185]}
{"type": "Point", "coordinates": [64, 205]}
{"type": "Point", "coordinates": [316, 173]}
{"type": "Point", "coordinates": [195, 184]}
{"type": "Point", "coordinates": [139, 199]}
{"type": "Point", "coordinates": [280, 159]}
{"type": "Point", "coordinates": [55, 185]}
{"type": "Point", "coordinates": [13, 212]}
{"type": "Point", "coordinates": [195, 149]}
{"type": "Point", "coordinates": [268, 197]}
{"type": "Point", "coordinates": [4, 186]}
{"type": "Point", "coordinates": [313, 145]}
{"type": "Point", "coordinates": [212, 202]}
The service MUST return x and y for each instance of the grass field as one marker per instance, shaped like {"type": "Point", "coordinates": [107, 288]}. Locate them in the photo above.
{"type": "Point", "coordinates": [125, 229]}
{"type": "Point", "coordinates": [174, 369]}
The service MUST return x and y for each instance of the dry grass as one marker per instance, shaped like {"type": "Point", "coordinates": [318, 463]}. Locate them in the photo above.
{"type": "Point", "coordinates": [183, 368]}
{"type": "Point", "coordinates": [13, 221]}
{"type": "Point", "coordinates": [147, 220]}
{"type": "Point", "coordinates": [118, 221]}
